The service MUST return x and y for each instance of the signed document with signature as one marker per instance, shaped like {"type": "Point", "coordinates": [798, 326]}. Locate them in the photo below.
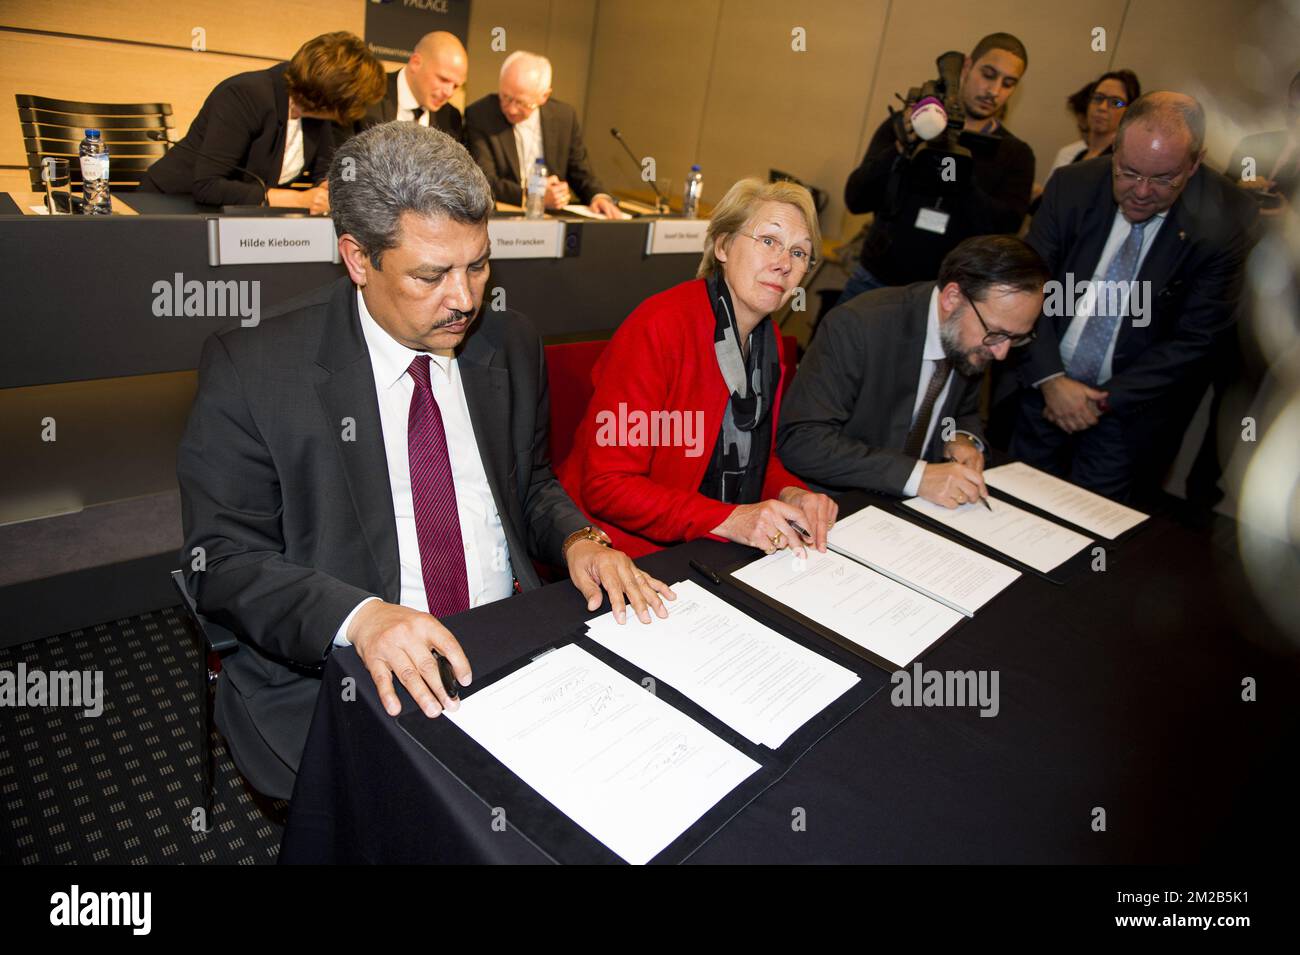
{"type": "Point", "coordinates": [621, 763]}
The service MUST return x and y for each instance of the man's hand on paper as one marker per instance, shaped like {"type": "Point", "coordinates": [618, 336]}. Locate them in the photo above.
{"type": "Point", "coordinates": [952, 484]}
{"type": "Point", "coordinates": [392, 639]}
{"type": "Point", "coordinates": [593, 566]}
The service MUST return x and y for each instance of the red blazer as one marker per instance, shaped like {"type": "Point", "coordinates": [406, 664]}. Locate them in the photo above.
{"type": "Point", "coordinates": [661, 359]}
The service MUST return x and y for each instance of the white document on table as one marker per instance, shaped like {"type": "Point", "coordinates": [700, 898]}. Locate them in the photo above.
{"type": "Point", "coordinates": [760, 683]}
{"type": "Point", "coordinates": [954, 575]}
{"type": "Point", "coordinates": [891, 620]}
{"type": "Point", "coordinates": [613, 757]}
{"type": "Point", "coordinates": [1094, 513]}
{"type": "Point", "coordinates": [1028, 538]}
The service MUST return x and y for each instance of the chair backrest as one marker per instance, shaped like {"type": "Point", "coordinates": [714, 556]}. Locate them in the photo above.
{"type": "Point", "coordinates": [219, 640]}
{"type": "Point", "coordinates": [568, 368]}
{"type": "Point", "coordinates": [54, 127]}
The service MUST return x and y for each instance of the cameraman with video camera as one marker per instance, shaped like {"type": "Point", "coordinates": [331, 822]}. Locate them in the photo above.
{"type": "Point", "coordinates": [956, 172]}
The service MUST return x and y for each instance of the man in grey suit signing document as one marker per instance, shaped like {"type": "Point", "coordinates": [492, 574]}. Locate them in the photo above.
{"type": "Point", "coordinates": [374, 458]}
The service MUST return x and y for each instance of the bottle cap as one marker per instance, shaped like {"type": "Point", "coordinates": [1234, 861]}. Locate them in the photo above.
{"type": "Point", "coordinates": [92, 134]}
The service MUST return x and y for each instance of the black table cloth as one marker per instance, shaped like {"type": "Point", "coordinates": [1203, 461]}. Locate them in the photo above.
{"type": "Point", "coordinates": [1120, 693]}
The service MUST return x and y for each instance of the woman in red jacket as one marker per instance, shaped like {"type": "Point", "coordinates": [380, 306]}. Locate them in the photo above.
{"type": "Point", "coordinates": [677, 441]}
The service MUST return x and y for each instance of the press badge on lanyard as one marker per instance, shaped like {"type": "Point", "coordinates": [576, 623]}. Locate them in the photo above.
{"type": "Point", "coordinates": [932, 220]}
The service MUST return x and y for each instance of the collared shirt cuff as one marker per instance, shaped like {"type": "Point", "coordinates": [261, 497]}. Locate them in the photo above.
{"type": "Point", "coordinates": [341, 638]}
{"type": "Point", "coordinates": [913, 485]}
{"type": "Point", "coordinates": [1039, 382]}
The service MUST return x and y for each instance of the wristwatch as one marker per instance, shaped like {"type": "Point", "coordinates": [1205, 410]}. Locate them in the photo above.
{"type": "Point", "coordinates": [588, 533]}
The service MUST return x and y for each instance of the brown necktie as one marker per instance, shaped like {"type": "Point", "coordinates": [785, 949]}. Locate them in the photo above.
{"type": "Point", "coordinates": [916, 437]}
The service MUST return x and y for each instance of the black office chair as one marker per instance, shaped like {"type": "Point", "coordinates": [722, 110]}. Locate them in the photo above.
{"type": "Point", "coordinates": [55, 127]}
{"type": "Point", "coordinates": [215, 642]}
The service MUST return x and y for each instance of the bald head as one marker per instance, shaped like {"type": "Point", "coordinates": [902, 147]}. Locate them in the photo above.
{"type": "Point", "coordinates": [1171, 114]}
{"type": "Point", "coordinates": [437, 69]}
{"type": "Point", "coordinates": [525, 84]}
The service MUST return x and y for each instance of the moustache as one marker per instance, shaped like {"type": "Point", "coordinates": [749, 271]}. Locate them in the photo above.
{"type": "Point", "coordinates": [457, 316]}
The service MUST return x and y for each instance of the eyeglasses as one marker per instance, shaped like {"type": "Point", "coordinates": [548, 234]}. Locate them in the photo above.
{"type": "Point", "coordinates": [992, 338]}
{"type": "Point", "coordinates": [800, 257]}
{"type": "Point", "coordinates": [1155, 182]}
{"type": "Point", "coordinates": [1116, 102]}
{"type": "Point", "coordinates": [515, 101]}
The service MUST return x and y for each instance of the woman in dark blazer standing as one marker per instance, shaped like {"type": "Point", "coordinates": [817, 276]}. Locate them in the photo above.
{"type": "Point", "coordinates": [275, 123]}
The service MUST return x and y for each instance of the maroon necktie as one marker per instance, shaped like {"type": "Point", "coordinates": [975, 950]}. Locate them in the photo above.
{"type": "Point", "coordinates": [437, 524]}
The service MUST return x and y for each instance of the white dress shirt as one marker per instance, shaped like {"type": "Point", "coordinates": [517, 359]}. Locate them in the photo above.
{"type": "Point", "coordinates": [932, 353]}
{"type": "Point", "coordinates": [487, 559]}
{"type": "Point", "coordinates": [1084, 305]}
{"type": "Point", "coordinates": [293, 155]}
{"type": "Point", "coordinates": [528, 141]}
{"type": "Point", "coordinates": [407, 104]}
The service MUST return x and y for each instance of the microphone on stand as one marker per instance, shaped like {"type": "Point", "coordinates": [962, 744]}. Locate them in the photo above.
{"type": "Point", "coordinates": [160, 136]}
{"type": "Point", "coordinates": [661, 201]}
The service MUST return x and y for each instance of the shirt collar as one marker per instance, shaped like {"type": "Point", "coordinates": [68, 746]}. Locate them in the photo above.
{"type": "Point", "coordinates": [933, 343]}
{"type": "Point", "coordinates": [388, 357]}
{"type": "Point", "coordinates": [405, 98]}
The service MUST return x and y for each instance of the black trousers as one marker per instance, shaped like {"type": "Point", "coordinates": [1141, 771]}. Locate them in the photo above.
{"type": "Point", "coordinates": [1124, 456]}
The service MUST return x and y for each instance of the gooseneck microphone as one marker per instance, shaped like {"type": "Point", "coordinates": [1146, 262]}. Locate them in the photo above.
{"type": "Point", "coordinates": [160, 136]}
{"type": "Point", "coordinates": [661, 201]}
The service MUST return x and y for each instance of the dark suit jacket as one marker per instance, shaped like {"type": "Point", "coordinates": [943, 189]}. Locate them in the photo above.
{"type": "Point", "coordinates": [243, 122]}
{"type": "Point", "coordinates": [1195, 267]}
{"type": "Point", "coordinates": [296, 519]}
{"type": "Point", "coordinates": [845, 419]}
{"type": "Point", "coordinates": [491, 141]}
{"type": "Point", "coordinates": [447, 118]}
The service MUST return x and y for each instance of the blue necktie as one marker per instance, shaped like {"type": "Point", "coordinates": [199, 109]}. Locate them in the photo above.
{"type": "Point", "coordinates": [1098, 331]}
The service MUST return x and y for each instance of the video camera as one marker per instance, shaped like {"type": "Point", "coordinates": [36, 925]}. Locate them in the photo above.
{"type": "Point", "coordinates": [938, 158]}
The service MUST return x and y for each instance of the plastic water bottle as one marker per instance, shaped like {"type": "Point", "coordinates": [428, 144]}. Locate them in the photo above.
{"type": "Point", "coordinates": [691, 196]}
{"type": "Point", "coordinates": [535, 204]}
{"type": "Point", "coordinates": [94, 175]}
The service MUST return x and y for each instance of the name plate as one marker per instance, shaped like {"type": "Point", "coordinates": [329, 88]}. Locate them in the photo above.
{"type": "Point", "coordinates": [251, 241]}
{"type": "Point", "coordinates": [526, 238]}
{"type": "Point", "coordinates": [674, 236]}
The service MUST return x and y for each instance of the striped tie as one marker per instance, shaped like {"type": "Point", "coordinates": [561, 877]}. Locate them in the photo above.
{"type": "Point", "coordinates": [915, 443]}
{"type": "Point", "coordinates": [437, 523]}
{"type": "Point", "coordinates": [1098, 331]}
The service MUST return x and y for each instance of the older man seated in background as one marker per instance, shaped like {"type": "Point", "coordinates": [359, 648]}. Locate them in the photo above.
{"type": "Point", "coordinates": [509, 130]}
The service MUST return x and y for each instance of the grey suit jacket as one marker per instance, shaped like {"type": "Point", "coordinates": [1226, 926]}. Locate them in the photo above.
{"type": "Point", "coordinates": [491, 141]}
{"type": "Point", "coordinates": [284, 484]}
{"type": "Point", "coordinates": [845, 419]}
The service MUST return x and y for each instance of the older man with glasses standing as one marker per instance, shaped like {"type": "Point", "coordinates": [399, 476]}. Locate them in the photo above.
{"type": "Point", "coordinates": [1153, 245]}
{"type": "Point", "coordinates": [887, 398]}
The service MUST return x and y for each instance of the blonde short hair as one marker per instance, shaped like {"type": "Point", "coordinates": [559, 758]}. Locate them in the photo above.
{"type": "Point", "coordinates": [741, 203]}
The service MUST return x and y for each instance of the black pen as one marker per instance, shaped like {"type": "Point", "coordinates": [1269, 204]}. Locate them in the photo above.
{"type": "Point", "coordinates": [448, 676]}
{"type": "Point", "coordinates": [705, 572]}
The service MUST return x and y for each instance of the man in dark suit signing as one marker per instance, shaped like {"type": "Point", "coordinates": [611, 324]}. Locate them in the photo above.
{"type": "Point", "coordinates": [509, 130]}
{"type": "Point", "coordinates": [1146, 249]}
{"type": "Point", "coordinates": [374, 459]}
{"type": "Point", "coordinates": [421, 91]}
{"type": "Point", "coordinates": [887, 398]}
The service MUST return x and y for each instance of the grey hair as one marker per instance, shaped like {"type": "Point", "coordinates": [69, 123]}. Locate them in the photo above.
{"type": "Point", "coordinates": [1167, 111]}
{"type": "Point", "coordinates": [402, 167]}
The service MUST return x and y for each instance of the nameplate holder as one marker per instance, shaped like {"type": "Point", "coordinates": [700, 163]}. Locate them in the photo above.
{"type": "Point", "coordinates": [240, 240]}
{"type": "Point", "coordinates": [526, 238]}
{"type": "Point", "coordinates": [676, 236]}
